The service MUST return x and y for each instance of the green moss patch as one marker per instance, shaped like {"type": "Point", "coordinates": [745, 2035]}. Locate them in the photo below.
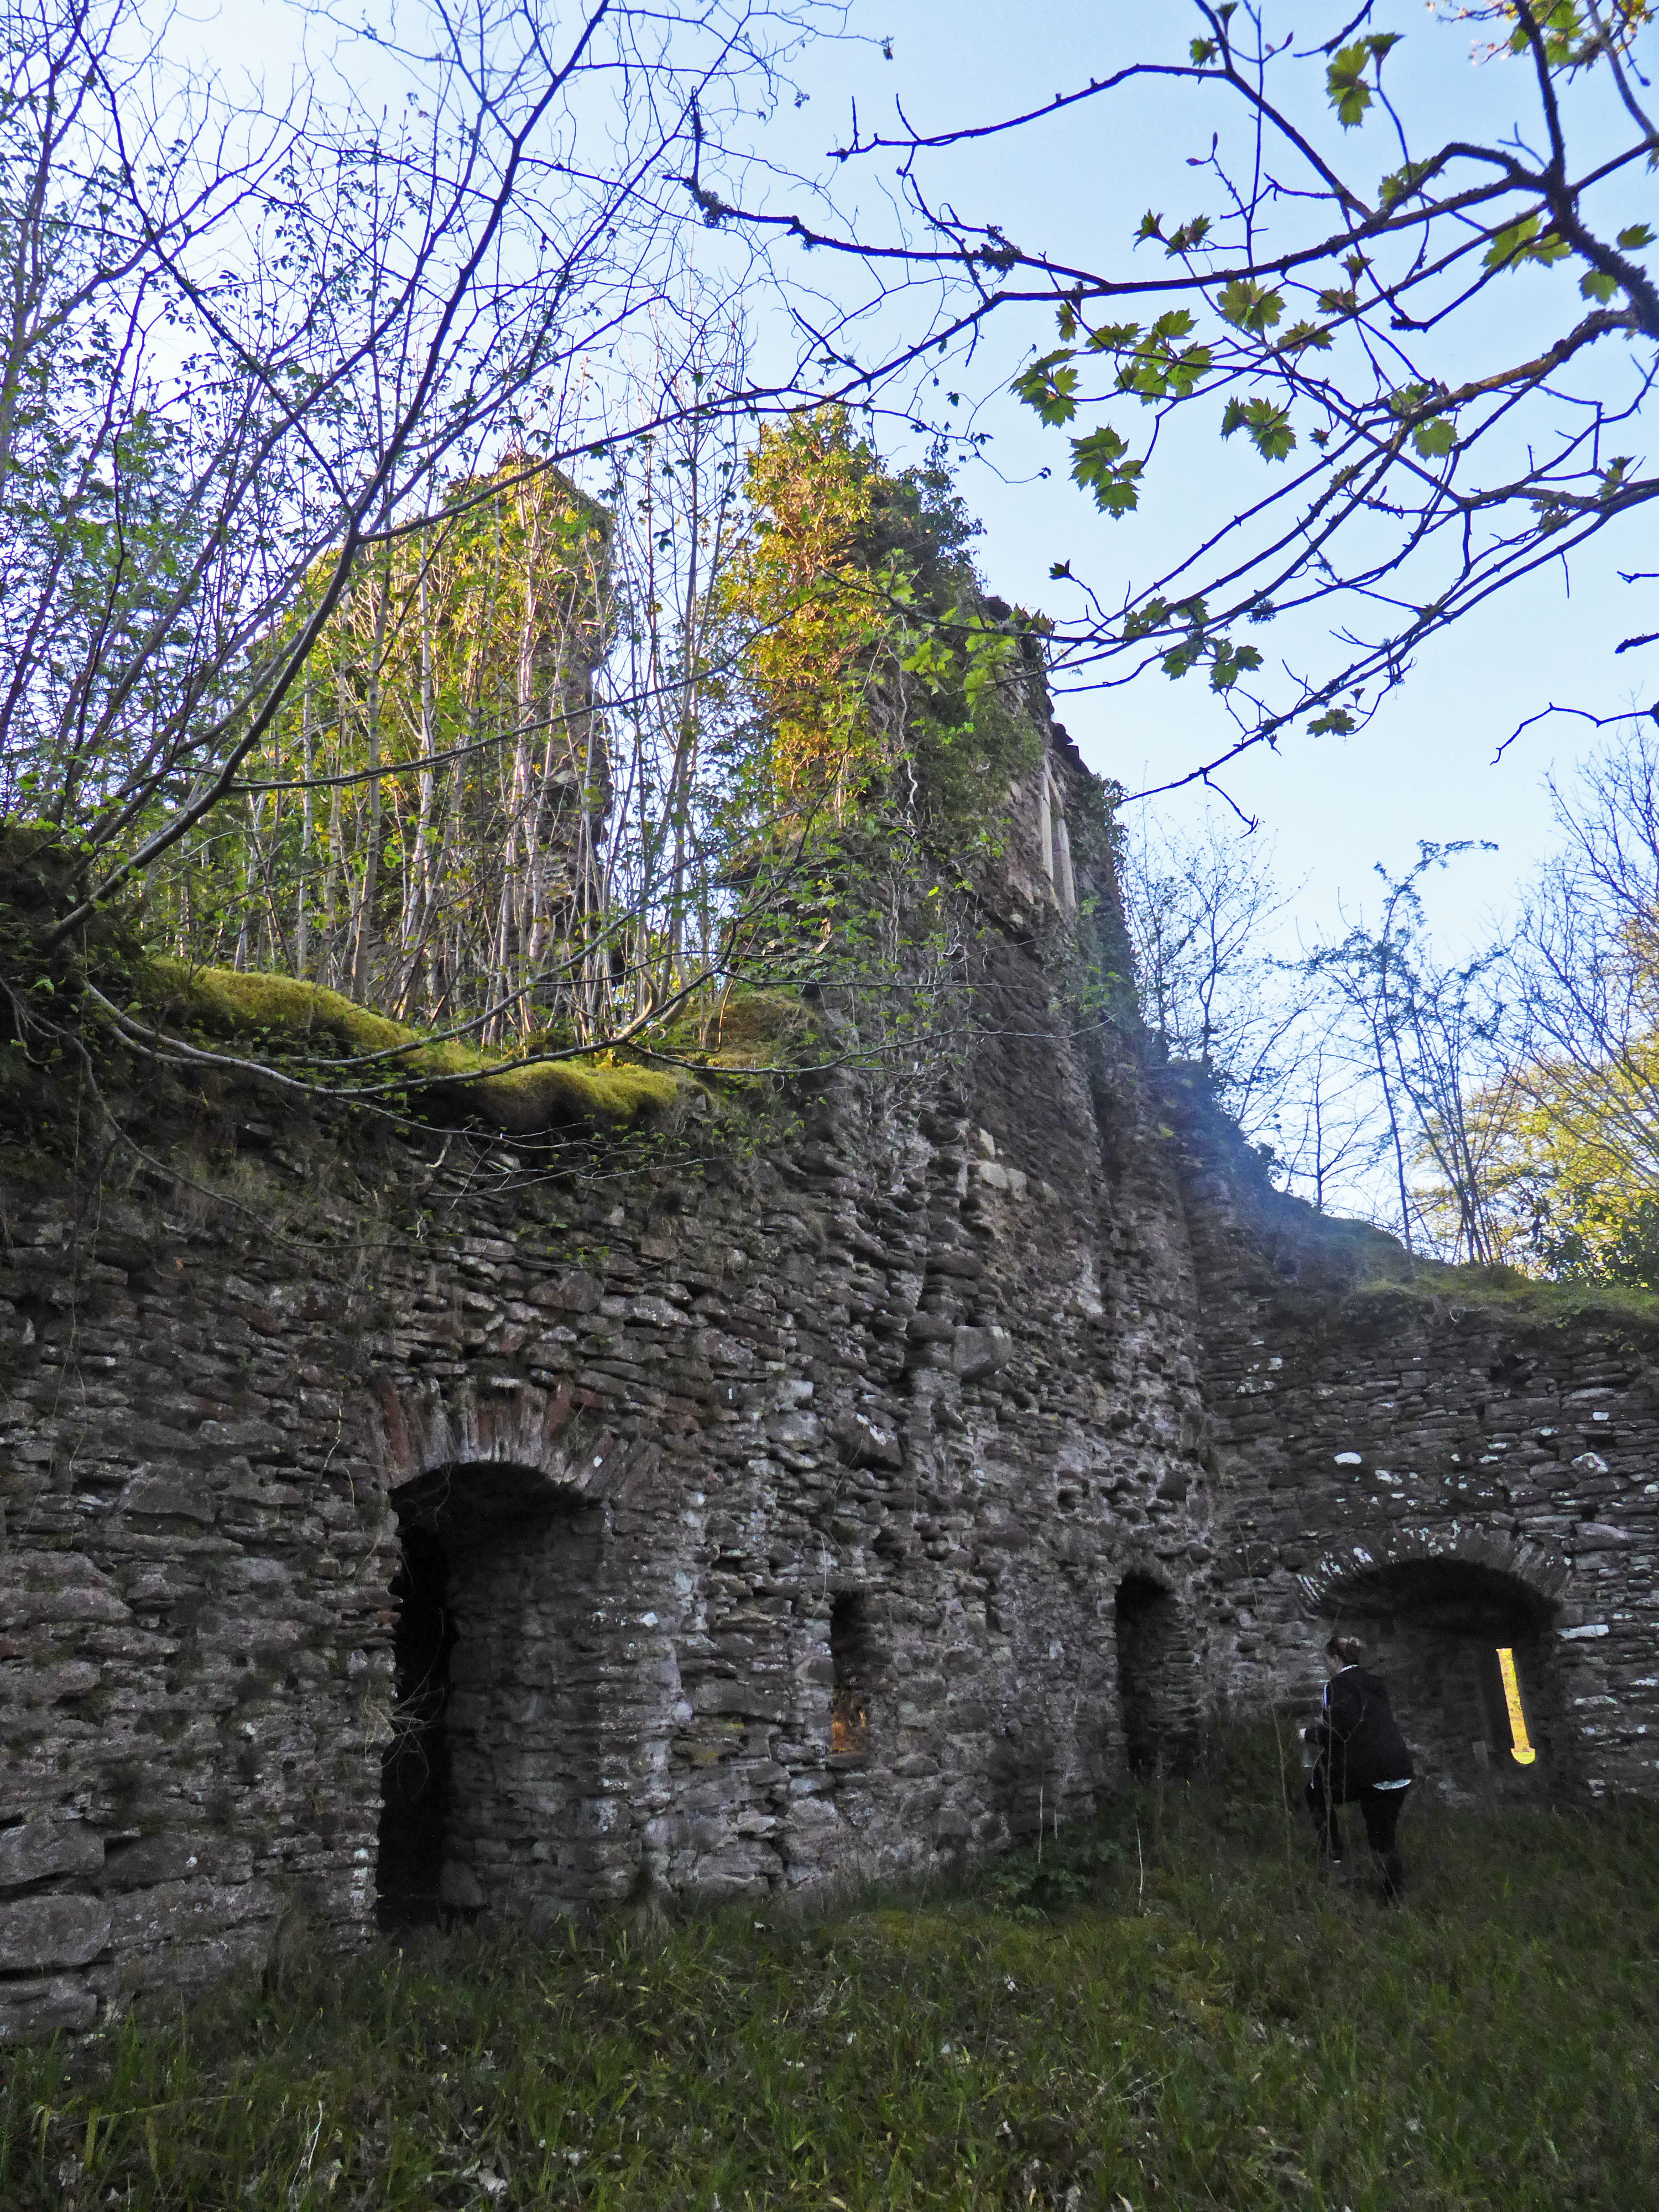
{"type": "Point", "coordinates": [291, 1017]}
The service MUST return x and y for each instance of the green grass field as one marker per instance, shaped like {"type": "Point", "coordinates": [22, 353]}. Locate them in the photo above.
{"type": "Point", "coordinates": [1168, 2010]}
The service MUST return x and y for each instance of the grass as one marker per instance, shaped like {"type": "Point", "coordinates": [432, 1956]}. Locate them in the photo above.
{"type": "Point", "coordinates": [289, 1015]}
{"type": "Point", "coordinates": [1169, 2011]}
{"type": "Point", "coordinates": [1534, 1298]}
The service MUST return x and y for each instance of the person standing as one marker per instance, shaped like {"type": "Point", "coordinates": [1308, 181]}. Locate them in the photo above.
{"type": "Point", "coordinates": [1361, 1757]}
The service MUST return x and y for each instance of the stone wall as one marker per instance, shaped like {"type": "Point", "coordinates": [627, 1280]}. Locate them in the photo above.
{"type": "Point", "coordinates": [643, 1422]}
{"type": "Point", "coordinates": [402, 1522]}
{"type": "Point", "coordinates": [1444, 1461]}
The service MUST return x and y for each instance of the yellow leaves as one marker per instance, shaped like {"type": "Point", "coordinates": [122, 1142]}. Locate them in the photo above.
{"type": "Point", "coordinates": [1571, 1153]}
{"type": "Point", "coordinates": [803, 583]}
{"type": "Point", "coordinates": [871, 662]}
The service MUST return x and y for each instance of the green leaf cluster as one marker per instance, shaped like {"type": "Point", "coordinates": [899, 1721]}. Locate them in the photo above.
{"type": "Point", "coordinates": [1250, 307]}
{"type": "Point", "coordinates": [1196, 643]}
{"type": "Point", "coordinates": [1186, 237]}
{"type": "Point", "coordinates": [1268, 426]}
{"type": "Point", "coordinates": [1049, 387]}
{"type": "Point", "coordinates": [1100, 465]}
{"type": "Point", "coordinates": [1158, 366]}
{"type": "Point", "coordinates": [1532, 239]}
{"type": "Point", "coordinates": [877, 671]}
{"type": "Point", "coordinates": [1346, 81]}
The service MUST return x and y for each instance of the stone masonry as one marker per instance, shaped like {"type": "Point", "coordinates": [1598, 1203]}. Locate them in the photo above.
{"type": "Point", "coordinates": [822, 1493]}
{"type": "Point", "coordinates": [654, 1422]}
{"type": "Point", "coordinates": [1441, 1462]}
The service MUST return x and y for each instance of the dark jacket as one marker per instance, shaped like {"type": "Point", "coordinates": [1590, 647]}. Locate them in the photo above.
{"type": "Point", "coordinates": [1358, 1737]}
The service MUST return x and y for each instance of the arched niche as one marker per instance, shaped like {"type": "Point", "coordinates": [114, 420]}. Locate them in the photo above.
{"type": "Point", "coordinates": [489, 1783]}
{"type": "Point", "coordinates": [1155, 1685]}
{"type": "Point", "coordinates": [1468, 1652]}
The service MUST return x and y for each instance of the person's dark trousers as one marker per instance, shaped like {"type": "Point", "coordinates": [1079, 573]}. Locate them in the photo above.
{"type": "Point", "coordinates": [1380, 1809]}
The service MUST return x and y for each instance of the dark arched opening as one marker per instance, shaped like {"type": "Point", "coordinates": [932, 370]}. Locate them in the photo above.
{"type": "Point", "coordinates": [1153, 1675]}
{"type": "Point", "coordinates": [1468, 1655]}
{"type": "Point", "coordinates": [415, 1767]}
{"type": "Point", "coordinates": [488, 1785]}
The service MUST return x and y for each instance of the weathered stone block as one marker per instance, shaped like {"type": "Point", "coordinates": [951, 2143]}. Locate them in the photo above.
{"type": "Point", "coordinates": [40, 2007]}
{"type": "Point", "coordinates": [170, 1497]}
{"type": "Point", "coordinates": [193, 1908]}
{"type": "Point", "coordinates": [52, 1931]}
{"type": "Point", "coordinates": [48, 1684]}
{"type": "Point", "coordinates": [41, 1848]}
{"type": "Point", "coordinates": [977, 1353]}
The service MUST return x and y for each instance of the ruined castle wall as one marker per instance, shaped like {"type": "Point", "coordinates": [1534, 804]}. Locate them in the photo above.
{"type": "Point", "coordinates": [655, 1417]}
{"type": "Point", "coordinates": [832, 1487]}
{"type": "Point", "coordinates": [1442, 1465]}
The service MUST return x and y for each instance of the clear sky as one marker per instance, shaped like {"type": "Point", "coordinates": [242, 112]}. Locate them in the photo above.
{"type": "Point", "coordinates": [1424, 768]}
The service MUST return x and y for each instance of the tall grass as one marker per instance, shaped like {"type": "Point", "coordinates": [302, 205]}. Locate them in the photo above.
{"type": "Point", "coordinates": [1167, 2010]}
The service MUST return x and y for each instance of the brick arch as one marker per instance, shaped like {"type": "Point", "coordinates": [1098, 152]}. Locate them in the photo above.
{"type": "Point", "coordinates": [504, 1687]}
{"type": "Point", "coordinates": [550, 1441]}
{"type": "Point", "coordinates": [1543, 1574]}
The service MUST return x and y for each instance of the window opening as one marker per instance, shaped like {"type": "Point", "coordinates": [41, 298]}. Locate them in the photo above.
{"type": "Point", "coordinates": [850, 1658]}
{"type": "Point", "coordinates": [1149, 1654]}
{"type": "Point", "coordinates": [1521, 1750]}
{"type": "Point", "coordinates": [415, 1767]}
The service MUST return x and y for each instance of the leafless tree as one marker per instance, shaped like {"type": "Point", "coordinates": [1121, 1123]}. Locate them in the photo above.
{"type": "Point", "coordinates": [1441, 352]}
{"type": "Point", "coordinates": [243, 355]}
{"type": "Point", "coordinates": [1202, 911]}
{"type": "Point", "coordinates": [1424, 1039]}
{"type": "Point", "coordinates": [1585, 968]}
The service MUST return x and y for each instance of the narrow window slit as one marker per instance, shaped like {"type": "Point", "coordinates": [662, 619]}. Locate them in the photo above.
{"type": "Point", "coordinates": [850, 1654]}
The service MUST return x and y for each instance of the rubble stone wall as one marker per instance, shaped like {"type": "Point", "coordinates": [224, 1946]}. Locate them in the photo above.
{"type": "Point", "coordinates": [659, 1412]}
{"type": "Point", "coordinates": [832, 1490]}
{"type": "Point", "coordinates": [1442, 1463]}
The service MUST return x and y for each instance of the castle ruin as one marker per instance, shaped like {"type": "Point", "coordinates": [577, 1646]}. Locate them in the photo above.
{"type": "Point", "coordinates": [540, 1531]}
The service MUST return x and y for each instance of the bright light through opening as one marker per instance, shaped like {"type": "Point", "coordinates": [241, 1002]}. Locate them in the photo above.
{"type": "Point", "coordinates": [1520, 1750]}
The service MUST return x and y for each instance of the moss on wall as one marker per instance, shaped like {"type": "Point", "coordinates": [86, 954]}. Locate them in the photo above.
{"type": "Point", "coordinates": [284, 1015]}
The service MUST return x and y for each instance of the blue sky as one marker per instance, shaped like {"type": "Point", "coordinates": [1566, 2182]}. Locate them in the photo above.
{"type": "Point", "coordinates": [1425, 766]}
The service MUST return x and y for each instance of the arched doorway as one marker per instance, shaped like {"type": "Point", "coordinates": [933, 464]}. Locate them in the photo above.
{"type": "Point", "coordinates": [1466, 1652]}
{"type": "Point", "coordinates": [489, 1783]}
{"type": "Point", "coordinates": [1154, 1676]}
{"type": "Point", "coordinates": [415, 1767]}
